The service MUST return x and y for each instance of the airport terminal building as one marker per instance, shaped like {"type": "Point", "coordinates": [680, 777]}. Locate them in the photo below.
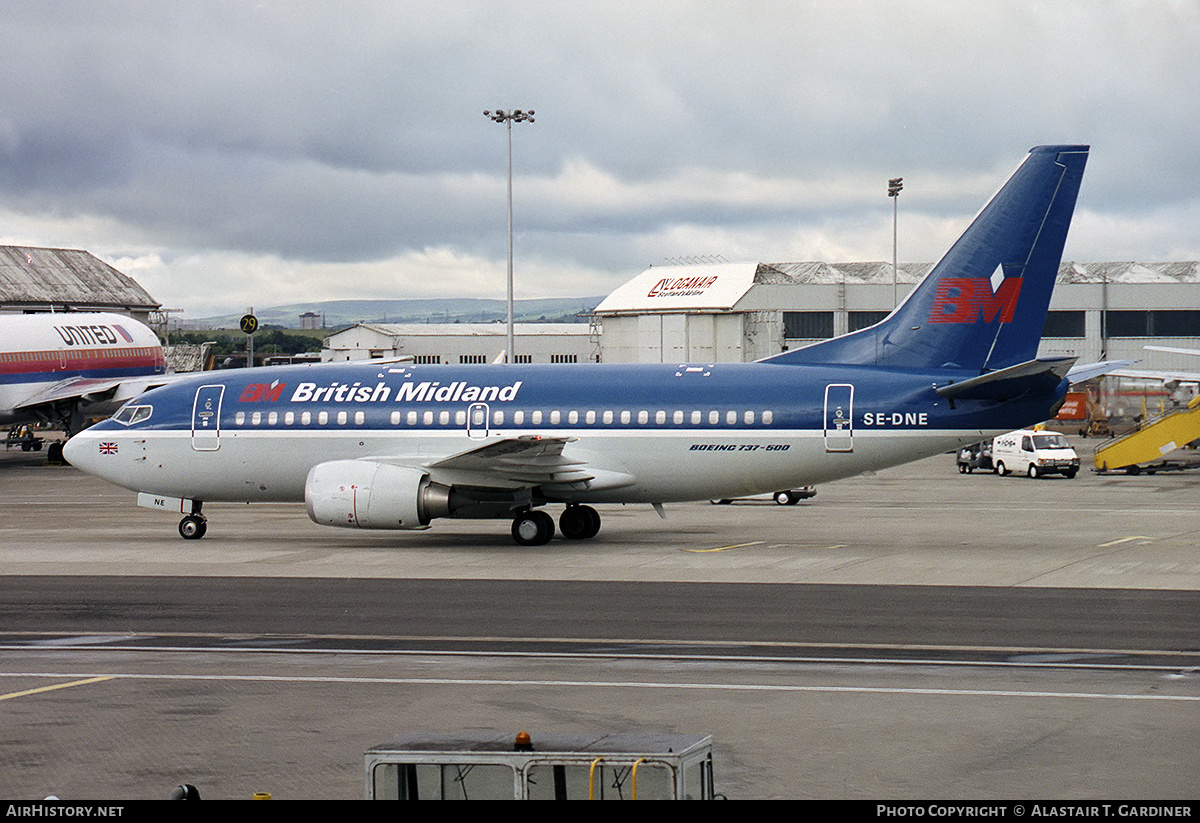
{"type": "Point", "coordinates": [746, 311]}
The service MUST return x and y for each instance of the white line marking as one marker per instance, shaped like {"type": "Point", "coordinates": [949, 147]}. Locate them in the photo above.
{"type": "Point", "coordinates": [616, 684]}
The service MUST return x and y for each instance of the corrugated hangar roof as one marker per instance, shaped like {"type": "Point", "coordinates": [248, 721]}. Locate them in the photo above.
{"type": "Point", "coordinates": [719, 286]}
{"type": "Point", "coordinates": [37, 278]}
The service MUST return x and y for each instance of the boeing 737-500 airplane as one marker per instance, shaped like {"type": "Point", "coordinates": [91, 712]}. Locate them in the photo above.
{"type": "Point", "coordinates": [394, 446]}
{"type": "Point", "coordinates": [62, 368]}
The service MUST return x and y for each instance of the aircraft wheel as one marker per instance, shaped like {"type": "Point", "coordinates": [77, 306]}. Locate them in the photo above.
{"type": "Point", "coordinates": [532, 528]}
{"type": "Point", "coordinates": [54, 453]}
{"type": "Point", "coordinates": [1000, 470]}
{"type": "Point", "coordinates": [1033, 472]}
{"type": "Point", "coordinates": [579, 522]}
{"type": "Point", "coordinates": [193, 527]}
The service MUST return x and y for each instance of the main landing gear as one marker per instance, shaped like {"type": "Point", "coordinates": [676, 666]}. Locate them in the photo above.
{"type": "Point", "coordinates": [534, 527]}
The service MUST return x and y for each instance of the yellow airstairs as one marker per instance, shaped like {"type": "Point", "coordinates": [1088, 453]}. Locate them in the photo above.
{"type": "Point", "coordinates": [1154, 441]}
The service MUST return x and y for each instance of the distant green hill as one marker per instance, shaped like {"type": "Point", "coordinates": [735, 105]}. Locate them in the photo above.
{"type": "Point", "coordinates": [341, 313]}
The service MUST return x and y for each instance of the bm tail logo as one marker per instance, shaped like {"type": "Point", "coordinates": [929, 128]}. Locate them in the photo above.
{"type": "Point", "coordinates": [968, 299]}
{"type": "Point", "coordinates": [262, 392]}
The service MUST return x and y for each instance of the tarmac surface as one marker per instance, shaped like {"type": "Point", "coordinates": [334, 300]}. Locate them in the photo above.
{"type": "Point", "coordinates": [913, 634]}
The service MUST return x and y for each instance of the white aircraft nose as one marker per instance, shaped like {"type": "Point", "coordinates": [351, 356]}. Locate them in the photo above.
{"type": "Point", "coordinates": [80, 452]}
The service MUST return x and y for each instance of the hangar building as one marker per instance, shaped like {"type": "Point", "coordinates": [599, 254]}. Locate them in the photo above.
{"type": "Point", "coordinates": [41, 280]}
{"type": "Point", "coordinates": [746, 311]}
{"type": "Point", "coordinates": [463, 342]}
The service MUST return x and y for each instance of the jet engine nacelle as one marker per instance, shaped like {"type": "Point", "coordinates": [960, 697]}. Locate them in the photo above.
{"type": "Point", "coordinates": [361, 494]}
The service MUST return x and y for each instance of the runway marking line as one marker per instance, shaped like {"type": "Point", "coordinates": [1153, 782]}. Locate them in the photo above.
{"type": "Point", "coordinates": [1125, 540]}
{"type": "Point", "coordinates": [41, 689]}
{"type": "Point", "coordinates": [723, 548]}
{"type": "Point", "coordinates": [625, 684]}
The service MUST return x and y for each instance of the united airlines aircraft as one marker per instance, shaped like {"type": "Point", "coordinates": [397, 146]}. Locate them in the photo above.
{"type": "Point", "coordinates": [395, 446]}
{"type": "Point", "coordinates": [62, 368]}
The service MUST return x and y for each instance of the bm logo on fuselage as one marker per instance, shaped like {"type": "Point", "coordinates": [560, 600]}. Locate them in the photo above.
{"type": "Point", "coordinates": [262, 392]}
{"type": "Point", "coordinates": [968, 299]}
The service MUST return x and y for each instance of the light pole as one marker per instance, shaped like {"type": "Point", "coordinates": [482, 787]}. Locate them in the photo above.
{"type": "Point", "coordinates": [507, 117]}
{"type": "Point", "coordinates": [895, 184]}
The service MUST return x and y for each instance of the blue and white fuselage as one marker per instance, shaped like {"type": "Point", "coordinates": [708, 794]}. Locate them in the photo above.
{"type": "Point", "coordinates": [374, 445]}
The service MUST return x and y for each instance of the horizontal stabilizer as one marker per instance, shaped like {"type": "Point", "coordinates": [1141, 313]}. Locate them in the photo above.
{"type": "Point", "coordinates": [1086, 371]}
{"type": "Point", "coordinates": [1011, 381]}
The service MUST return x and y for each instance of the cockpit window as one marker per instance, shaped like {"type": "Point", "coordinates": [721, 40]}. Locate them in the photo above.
{"type": "Point", "coordinates": [130, 415]}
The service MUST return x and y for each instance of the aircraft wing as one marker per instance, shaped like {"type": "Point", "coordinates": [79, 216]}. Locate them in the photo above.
{"type": "Point", "coordinates": [1165, 376]}
{"type": "Point", "coordinates": [532, 461]}
{"type": "Point", "coordinates": [94, 390]}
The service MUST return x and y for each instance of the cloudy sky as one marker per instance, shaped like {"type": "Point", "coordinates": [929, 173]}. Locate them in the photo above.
{"type": "Point", "coordinates": [229, 154]}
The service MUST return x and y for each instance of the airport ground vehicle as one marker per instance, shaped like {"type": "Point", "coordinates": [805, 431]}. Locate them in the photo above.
{"type": "Point", "coordinates": [1035, 453]}
{"type": "Point", "coordinates": [786, 497]}
{"type": "Point", "coordinates": [481, 766]}
{"type": "Point", "coordinates": [975, 456]}
{"type": "Point", "coordinates": [23, 436]}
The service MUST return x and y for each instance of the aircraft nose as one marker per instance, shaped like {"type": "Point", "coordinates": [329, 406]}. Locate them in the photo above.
{"type": "Point", "coordinates": [79, 451]}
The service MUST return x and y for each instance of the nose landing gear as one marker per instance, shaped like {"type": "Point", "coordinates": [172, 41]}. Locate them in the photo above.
{"type": "Point", "coordinates": [193, 526]}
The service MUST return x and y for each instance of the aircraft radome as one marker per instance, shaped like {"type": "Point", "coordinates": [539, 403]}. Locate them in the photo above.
{"type": "Point", "coordinates": [395, 446]}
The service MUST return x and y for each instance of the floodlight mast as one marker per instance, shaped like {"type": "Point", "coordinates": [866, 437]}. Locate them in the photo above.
{"type": "Point", "coordinates": [507, 118]}
{"type": "Point", "coordinates": [895, 184]}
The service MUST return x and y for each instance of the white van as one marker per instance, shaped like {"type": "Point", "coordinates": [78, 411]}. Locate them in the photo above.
{"type": "Point", "coordinates": [1034, 453]}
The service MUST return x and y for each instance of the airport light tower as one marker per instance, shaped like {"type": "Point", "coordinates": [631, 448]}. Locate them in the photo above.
{"type": "Point", "coordinates": [895, 184]}
{"type": "Point", "coordinates": [507, 118]}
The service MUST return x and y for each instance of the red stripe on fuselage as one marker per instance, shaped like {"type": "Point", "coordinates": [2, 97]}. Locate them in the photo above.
{"type": "Point", "coordinates": [81, 361]}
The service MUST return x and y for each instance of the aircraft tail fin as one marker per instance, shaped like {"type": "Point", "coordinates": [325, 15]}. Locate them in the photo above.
{"type": "Point", "coordinates": [983, 306]}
